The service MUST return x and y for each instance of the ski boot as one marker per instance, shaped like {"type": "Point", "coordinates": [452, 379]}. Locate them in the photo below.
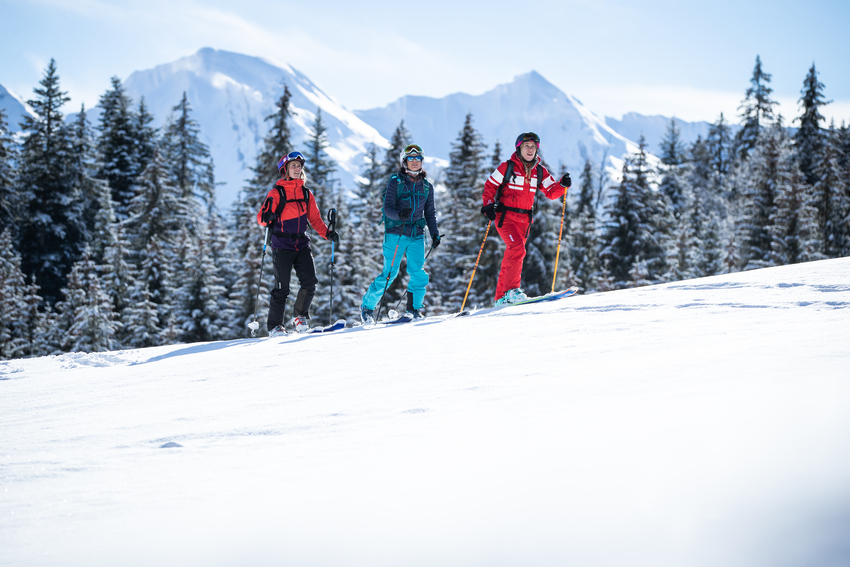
{"type": "Point", "coordinates": [300, 324]}
{"type": "Point", "coordinates": [278, 331]}
{"type": "Point", "coordinates": [367, 315]}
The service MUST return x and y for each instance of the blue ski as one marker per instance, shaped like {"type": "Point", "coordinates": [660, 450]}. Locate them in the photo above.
{"type": "Point", "coordinates": [548, 297]}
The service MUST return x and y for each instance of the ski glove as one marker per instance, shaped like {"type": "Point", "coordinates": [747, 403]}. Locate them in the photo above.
{"type": "Point", "coordinates": [435, 241]}
{"type": "Point", "coordinates": [268, 218]}
{"type": "Point", "coordinates": [333, 236]}
{"type": "Point", "coordinates": [566, 181]}
{"type": "Point", "coordinates": [404, 214]}
{"type": "Point", "coordinates": [489, 211]}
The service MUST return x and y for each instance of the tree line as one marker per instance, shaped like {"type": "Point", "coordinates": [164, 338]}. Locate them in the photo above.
{"type": "Point", "coordinates": [110, 236]}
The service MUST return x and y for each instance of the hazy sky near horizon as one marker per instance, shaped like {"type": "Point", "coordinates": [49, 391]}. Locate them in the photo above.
{"type": "Point", "coordinates": [678, 58]}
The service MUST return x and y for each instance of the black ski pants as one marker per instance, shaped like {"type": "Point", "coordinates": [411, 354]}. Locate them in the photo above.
{"type": "Point", "coordinates": [284, 261]}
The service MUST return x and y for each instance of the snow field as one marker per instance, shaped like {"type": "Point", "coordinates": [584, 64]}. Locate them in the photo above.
{"type": "Point", "coordinates": [696, 423]}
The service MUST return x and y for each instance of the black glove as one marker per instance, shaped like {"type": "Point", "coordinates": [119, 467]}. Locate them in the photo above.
{"type": "Point", "coordinates": [404, 214]}
{"type": "Point", "coordinates": [435, 241]}
{"type": "Point", "coordinates": [566, 181]}
{"type": "Point", "coordinates": [489, 211]}
{"type": "Point", "coordinates": [333, 236]}
{"type": "Point", "coordinates": [268, 218]}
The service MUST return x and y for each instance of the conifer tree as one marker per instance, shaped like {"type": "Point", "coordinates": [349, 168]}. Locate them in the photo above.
{"type": "Point", "coordinates": [465, 227]}
{"type": "Point", "coordinates": [809, 139]}
{"type": "Point", "coordinates": [398, 141]}
{"type": "Point", "coordinates": [831, 198]}
{"type": "Point", "coordinates": [767, 175]}
{"type": "Point", "coordinates": [584, 244]}
{"type": "Point", "coordinates": [86, 311]}
{"type": "Point", "coordinates": [13, 309]}
{"type": "Point", "coordinates": [118, 145]}
{"type": "Point", "coordinates": [146, 136]}
{"type": "Point", "coordinates": [756, 111]}
{"type": "Point", "coordinates": [719, 146]}
{"type": "Point", "coordinates": [632, 229]}
{"type": "Point", "coordinates": [9, 201]}
{"type": "Point", "coordinates": [672, 148]}
{"type": "Point", "coordinates": [276, 144]}
{"type": "Point", "coordinates": [793, 228]}
{"type": "Point", "coordinates": [188, 157]}
{"type": "Point", "coordinates": [53, 233]}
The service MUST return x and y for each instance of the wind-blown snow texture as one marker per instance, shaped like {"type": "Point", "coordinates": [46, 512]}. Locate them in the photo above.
{"type": "Point", "coordinates": [704, 422]}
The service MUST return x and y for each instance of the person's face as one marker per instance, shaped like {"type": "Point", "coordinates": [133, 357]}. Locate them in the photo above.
{"type": "Point", "coordinates": [527, 150]}
{"type": "Point", "coordinates": [414, 163]}
{"type": "Point", "coordinates": [293, 169]}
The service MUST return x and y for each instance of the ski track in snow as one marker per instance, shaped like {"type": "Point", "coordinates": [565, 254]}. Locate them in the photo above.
{"type": "Point", "coordinates": [703, 422]}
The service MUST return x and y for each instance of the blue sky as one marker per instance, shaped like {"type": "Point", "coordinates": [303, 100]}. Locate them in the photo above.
{"type": "Point", "coordinates": [688, 59]}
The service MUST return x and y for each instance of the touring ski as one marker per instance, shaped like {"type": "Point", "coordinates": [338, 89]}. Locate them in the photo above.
{"type": "Point", "coordinates": [548, 297]}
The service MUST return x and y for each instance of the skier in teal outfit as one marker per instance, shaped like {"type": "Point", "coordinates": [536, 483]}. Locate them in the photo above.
{"type": "Point", "coordinates": [408, 208]}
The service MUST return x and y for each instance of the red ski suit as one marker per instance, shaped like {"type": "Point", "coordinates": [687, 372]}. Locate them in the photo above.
{"type": "Point", "coordinates": [519, 193]}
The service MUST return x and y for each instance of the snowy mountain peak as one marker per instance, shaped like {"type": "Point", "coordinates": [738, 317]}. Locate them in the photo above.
{"type": "Point", "coordinates": [232, 94]}
{"type": "Point", "coordinates": [14, 107]}
{"type": "Point", "coordinates": [570, 133]}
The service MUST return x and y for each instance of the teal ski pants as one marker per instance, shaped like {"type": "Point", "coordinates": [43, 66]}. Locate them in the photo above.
{"type": "Point", "coordinates": [414, 247]}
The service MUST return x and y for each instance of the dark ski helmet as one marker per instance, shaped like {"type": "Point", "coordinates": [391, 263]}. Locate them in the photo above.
{"type": "Point", "coordinates": [408, 151]}
{"type": "Point", "coordinates": [527, 137]}
{"type": "Point", "coordinates": [281, 165]}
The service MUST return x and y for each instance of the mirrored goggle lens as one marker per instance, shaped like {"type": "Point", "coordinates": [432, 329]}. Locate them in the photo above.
{"type": "Point", "coordinates": [414, 158]}
{"type": "Point", "coordinates": [530, 137]}
{"type": "Point", "coordinates": [413, 148]}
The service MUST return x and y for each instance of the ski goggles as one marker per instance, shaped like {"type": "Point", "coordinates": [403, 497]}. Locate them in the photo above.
{"type": "Point", "coordinates": [412, 149]}
{"type": "Point", "coordinates": [528, 137]}
{"type": "Point", "coordinates": [289, 157]}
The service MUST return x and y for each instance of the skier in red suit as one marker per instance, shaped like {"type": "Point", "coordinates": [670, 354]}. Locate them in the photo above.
{"type": "Point", "coordinates": [510, 205]}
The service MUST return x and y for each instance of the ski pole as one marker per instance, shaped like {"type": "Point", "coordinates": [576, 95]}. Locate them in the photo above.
{"type": "Point", "coordinates": [387, 283]}
{"type": "Point", "coordinates": [331, 225]}
{"type": "Point", "coordinates": [254, 325]}
{"type": "Point", "coordinates": [397, 305]}
{"type": "Point", "coordinates": [475, 267]}
{"type": "Point", "coordinates": [560, 234]}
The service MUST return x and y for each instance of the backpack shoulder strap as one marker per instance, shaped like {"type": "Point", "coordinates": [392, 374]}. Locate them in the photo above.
{"type": "Point", "coordinates": [509, 172]}
{"type": "Point", "coordinates": [281, 202]}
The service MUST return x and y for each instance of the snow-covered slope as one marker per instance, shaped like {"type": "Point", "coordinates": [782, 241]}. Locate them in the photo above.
{"type": "Point", "coordinates": [698, 423]}
{"type": "Point", "coordinates": [14, 107]}
{"type": "Point", "coordinates": [231, 94]}
{"type": "Point", "coordinates": [569, 131]}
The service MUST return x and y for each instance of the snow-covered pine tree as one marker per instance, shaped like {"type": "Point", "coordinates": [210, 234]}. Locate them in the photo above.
{"type": "Point", "coordinates": [635, 225]}
{"type": "Point", "coordinates": [9, 201]}
{"type": "Point", "coordinates": [756, 111]}
{"type": "Point", "coordinates": [672, 171]}
{"type": "Point", "coordinates": [141, 320]}
{"type": "Point", "coordinates": [719, 146]}
{"type": "Point", "coordinates": [98, 210]}
{"type": "Point", "coordinates": [53, 233]}
{"type": "Point", "coordinates": [363, 236]}
{"type": "Point", "coordinates": [188, 159]}
{"type": "Point", "coordinates": [793, 228]}
{"type": "Point", "coordinates": [199, 303]}
{"type": "Point", "coordinates": [583, 240]}
{"type": "Point", "coordinates": [118, 144]}
{"type": "Point", "coordinates": [13, 308]}
{"type": "Point", "coordinates": [86, 312]}
{"type": "Point", "coordinates": [276, 144]}
{"type": "Point", "coordinates": [464, 226]}
{"type": "Point", "coordinates": [149, 304]}
{"type": "Point", "coordinates": [146, 136]}
{"type": "Point", "coordinates": [831, 198]}
{"type": "Point", "coordinates": [398, 141]}
{"type": "Point", "coordinates": [809, 139]}
{"type": "Point", "coordinates": [766, 175]}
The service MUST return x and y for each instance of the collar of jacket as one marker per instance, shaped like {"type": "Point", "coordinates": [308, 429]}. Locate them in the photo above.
{"type": "Point", "coordinates": [519, 165]}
